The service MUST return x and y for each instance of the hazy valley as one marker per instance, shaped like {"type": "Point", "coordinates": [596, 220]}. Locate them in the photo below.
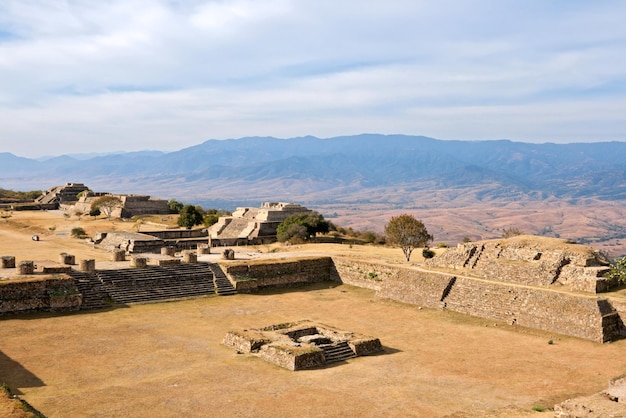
{"type": "Point", "coordinates": [459, 189]}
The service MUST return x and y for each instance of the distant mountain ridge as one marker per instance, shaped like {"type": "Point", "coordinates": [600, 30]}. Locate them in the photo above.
{"type": "Point", "coordinates": [309, 169]}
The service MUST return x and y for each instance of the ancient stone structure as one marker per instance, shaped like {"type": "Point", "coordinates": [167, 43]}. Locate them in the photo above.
{"type": "Point", "coordinates": [253, 225]}
{"type": "Point", "coordinates": [534, 261]}
{"type": "Point", "coordinates": [87, 265]}
{"type": "Point", "coordinates": [249, 277]}
{"type": "Point", "coordinates": [62, 194]}
{"type": "Point", "coordinates": [302, 345]}
{"type": "Point", "coordinates": [204, 249]}
{"type": "Point", "coordinates": [228, 254]}
{"type": "Point", "coordinates": [48, 294]}
{"type": "Point", "coordinates": [190, 257]}
{"type": "Point", "coordinates": [68, 259]}
{"type": "Point", "coordinates": [118, 255]}
{"type": "Point", "coordinates": [138, 262]}
{"type": "Point", "coordinates": [8, 261]}
{"type": "Point", "coordinates": [608, 403]}
{"type": "Point", "coordinates": [169, 251]}
{"type": "Point", "coordinates": [131, 205]}
{"type": "Point", "coordinates": [151, 242]}
{"type": "Point", "coordinates": [26, 267]}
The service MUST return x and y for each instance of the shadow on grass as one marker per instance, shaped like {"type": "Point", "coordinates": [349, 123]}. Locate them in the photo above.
{"type": "Point", "coordinates": [14, 375]}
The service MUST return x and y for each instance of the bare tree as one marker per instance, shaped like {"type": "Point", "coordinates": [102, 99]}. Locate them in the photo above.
{"type": "Point", "coordinates": [107, 204]}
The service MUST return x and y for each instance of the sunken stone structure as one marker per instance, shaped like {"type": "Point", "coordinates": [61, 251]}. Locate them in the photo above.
{"type": "Point", "coordinates": [253, 225]}
{"type": "Point", "coordinates": [302, 345]}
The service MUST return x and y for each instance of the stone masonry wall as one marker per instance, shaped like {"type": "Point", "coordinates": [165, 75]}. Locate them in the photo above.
{"type": "Point", "coordinates": [569, 314]}
{"type": "Point", "coordinates": [529, 261]}
{"type": "Point", "coordinates": [252, 276]}
{"type": "Point", "coordinates": [55, 294]}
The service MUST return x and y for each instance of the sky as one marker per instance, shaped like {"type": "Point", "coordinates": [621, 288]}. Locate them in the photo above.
{"type": "Point", "coordinates": [90, 76]}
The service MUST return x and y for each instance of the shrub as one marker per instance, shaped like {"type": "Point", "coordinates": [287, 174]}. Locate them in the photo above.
{"type": "Point", "coordinates": [428, 253]}
{"type": "Point", "coordinates": [442, 245]}
{"type": "Point", "coordinates": [78, 232]}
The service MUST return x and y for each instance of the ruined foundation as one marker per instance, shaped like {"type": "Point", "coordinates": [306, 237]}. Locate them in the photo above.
{"type": "Point", "coordinates": [138, 262]}
{"type": "Point", "coordinates": [87, 265]}
{"type": "Point", "coordinates": [26, 267]}
{"type": "Point", "coordinates": [67, 259]}
{"type": "Point", "coordinates": [8, 262]}
{"type": "Point", "coordinates": [118, 255]}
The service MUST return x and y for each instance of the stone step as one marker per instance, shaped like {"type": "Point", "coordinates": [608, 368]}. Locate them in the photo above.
{"type": "Point", "coordinates": [337, 352]}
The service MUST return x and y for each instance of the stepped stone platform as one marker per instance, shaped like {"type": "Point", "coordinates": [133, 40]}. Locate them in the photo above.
{"type": "Point", "coordinates": [302, 344]}
{"type": "Point", "coordinates": [101, 288]}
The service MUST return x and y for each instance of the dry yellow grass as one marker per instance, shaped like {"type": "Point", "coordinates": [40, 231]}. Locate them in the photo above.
{"type": "Point", "coordinates": [162, 360]}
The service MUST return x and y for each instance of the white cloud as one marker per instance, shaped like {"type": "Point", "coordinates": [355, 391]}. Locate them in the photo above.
{"type": "Point", "coordinates": [167, 74]}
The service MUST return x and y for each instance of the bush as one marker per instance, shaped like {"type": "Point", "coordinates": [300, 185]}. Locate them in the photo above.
{"type": "Point", "coordinates": [428, 253]}
{"type": "Point", "coordinates": [442, 245]}
{"type": "Point", "coordinates": [78, 232]}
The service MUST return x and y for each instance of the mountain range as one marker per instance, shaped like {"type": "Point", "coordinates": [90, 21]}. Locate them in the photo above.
{"type": "Point", "coordinates": [392, 172]}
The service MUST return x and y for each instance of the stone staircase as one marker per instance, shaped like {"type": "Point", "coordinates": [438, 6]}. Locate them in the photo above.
{"type": "Point", "coordinates": [90, 287]}
{"type": "Point", "coordinates": [234, 229]}
{"type": "Point", "coordinates": [337, 352]}
{"type": "Point", "coordinates": [157, 283]}
{"type": "Point", "coordinates": [223, 286]}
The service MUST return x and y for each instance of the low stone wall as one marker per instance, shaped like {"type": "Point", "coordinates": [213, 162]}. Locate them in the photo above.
{"type": "Point", "coordinates": [362, 274]}
{"type": "Point", "coordinates": [583, 316]}
{"type": "Point", "coordinates": [293, 358]}
{"type": "Point", "coordinates": [281, 273]}
{"type": "Point", "coordinates": [54, 294]}
{"type": "Point", "coordinates": [561, 313]}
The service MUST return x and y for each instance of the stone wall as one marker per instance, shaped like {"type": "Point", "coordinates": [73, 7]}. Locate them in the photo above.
{"type": "Point", "coordinates": [251, 276]}
{"type": "Point", "coordinates": [583, 316]}
{"type": "Point", "coordinates": [529, 260]}
{"type": "Point", "coordinates": [54, 294]}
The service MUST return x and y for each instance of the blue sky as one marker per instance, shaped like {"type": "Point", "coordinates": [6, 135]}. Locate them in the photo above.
{"type": "Point", "coordinates": [81, 76]}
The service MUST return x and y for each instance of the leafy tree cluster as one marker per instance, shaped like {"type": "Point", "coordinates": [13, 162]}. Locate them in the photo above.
{"type": "Point", "coordinates": [6, 194]}
{"type": "Point", "coordinates": [367, 236]}
{"type": "Point", "coordinates": [407, 233]}
{"type": "Point", "coordinates": [190, 216]}
{"type": "Point", "coordinates": [302, 227]}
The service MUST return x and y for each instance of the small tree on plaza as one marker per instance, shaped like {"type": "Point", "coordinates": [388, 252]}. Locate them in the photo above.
{"type": "Point", "coordinates": [106, 204]}
{"type": "Point", "coordinates": [408, 233]}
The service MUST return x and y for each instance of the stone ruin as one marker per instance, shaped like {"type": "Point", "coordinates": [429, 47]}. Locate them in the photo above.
{"type": "Point", "coordinates": [611, 402]}
{"type": "Point", "coordinates": [253, 225]}
{"type": "Point", "coordinates": [529, 260]}
{"type": "Point", "coordinates": [61, 194]}
{"type": "Point", "coordinates": [302, 345]}
{"type": "Point", "coordinates": [132, 205]}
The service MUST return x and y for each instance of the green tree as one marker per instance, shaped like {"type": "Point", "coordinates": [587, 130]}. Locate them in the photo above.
{"type": "Point", "coordinates": [292, 233]}
{"type": "Point", "coordinates": [190, 216]}
{"type": "Point", "coordinates": [95, 212]}
{"type": "Point", "coordinates": [175, 206]}
{"type": "Point", "coordinates": [107, 204]}
{"type": "Point", "coordinates": [407, 233]}
{"type": "Point", "coordinates": [313, 222]}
